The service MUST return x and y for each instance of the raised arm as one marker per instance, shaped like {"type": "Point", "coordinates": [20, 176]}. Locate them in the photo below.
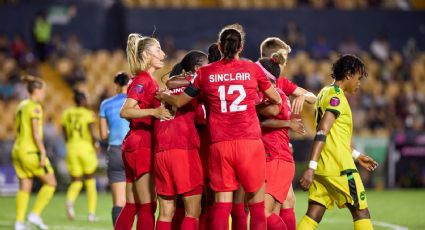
{"type": "Point", "coordinates": [324, 127]}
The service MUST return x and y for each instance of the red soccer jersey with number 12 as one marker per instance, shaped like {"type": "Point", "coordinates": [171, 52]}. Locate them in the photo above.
{"type": "Point", "coordinates": [229, 90]}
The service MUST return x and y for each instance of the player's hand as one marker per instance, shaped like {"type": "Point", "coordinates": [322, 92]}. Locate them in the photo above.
{"type": "Point", "coordinates": [161, 93]}
{"type": "Point", "coordinates": [297, 104]}
{"type": "Point", "coordinates": [297, 126]}
{"type": "Point", "coordinates": [43, 160]}
{"type": "Point", "coordinates": [367, 162]}
{"type": "Point", "coordinates": [306, 179]}
{"type": "Point", "coordinates": [162, 113]}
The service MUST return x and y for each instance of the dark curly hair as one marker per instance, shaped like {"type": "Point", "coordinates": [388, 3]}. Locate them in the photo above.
{"type": "Point", "coordinates": [347, 65]}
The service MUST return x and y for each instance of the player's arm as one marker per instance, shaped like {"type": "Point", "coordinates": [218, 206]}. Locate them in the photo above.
{"type": "Point", "coordinates": [103, 128]}
{"type": "Point", "coordinates": [273, 95]}
{"type": "Point", "coordinates": [177, 82]}
{"type": "Point", "coordinates": [65, 134]}
{"type": "Point", "coordinates": [301, 95]}
{"type": "Point", "coordinates": [131, 110]}
{"type": "Point", "coordinates": [179, 100]}
{"type": "Point", "coordinates": [92, 130]}
{"type": "Point", "coordinates": [38, 141]}
{"type": "Point", "coordinates": [267, 110]}
{"type": "Point", "coordinates": [294, 124]}
{"type": "Point", "coordinates": [323, 128]}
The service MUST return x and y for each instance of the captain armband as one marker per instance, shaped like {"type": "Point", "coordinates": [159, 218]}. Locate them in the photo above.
{"type": "Point", "coordinates": [320, 136]}
{"type": "Point", "coordinates": [191, 90]}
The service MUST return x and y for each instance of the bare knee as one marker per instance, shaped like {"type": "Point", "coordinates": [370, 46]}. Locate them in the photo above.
{"type": "Point", "coordinates": [359, 214]}
{"type": "Point", "coordinates": [167, 209]}
{"type": "Point", "coordinates": [315, 211]}
{"type": "Point", "coordinates": [290, 200]}
{"type": "Point", "coordinates": [192, 205]}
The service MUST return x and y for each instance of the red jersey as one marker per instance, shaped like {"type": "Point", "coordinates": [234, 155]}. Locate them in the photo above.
{"type": "Point", "coordinates": [286, 85]}
{"type": "Point", "coordinates": [229, 90]}
{"type": "Point", "coordinates": [143, 89]}
{"type": "Point", "coordinates": [179, 132]}
{"type": "Point", "coordinates": [276, 141]}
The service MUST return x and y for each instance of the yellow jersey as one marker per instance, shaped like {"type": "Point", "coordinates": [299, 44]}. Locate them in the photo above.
{"type": "Point", "coordinates": [26, 111]}
{"type": "Point", "coordinates": [335, 158]}
{"type": "Point", "coordinates": [76, 122]}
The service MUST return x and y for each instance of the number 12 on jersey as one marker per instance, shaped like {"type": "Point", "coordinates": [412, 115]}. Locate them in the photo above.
{"type": "Point", "coordinates": [235, 106]}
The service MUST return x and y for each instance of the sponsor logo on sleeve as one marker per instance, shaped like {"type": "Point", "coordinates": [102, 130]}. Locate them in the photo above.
{"type": "Point", "coordinates": [139, 88]}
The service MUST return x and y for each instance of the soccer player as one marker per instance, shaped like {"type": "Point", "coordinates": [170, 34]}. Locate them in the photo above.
{"type": "Point", "coordinates": [144, 56]}
{"type": "Point", "coordinates": [332, 176]}
{"type": "Point", "coordinates": [268, 47]}
{"type": "Point", "coordinates": [229, 88]}
{"type": "Point", "coordinates": [177, 165]}
{"type": "Point", "coordinates": [275, 136]}
{"type": "Point", "coordinates": [29, 156]}
{"type": "Point", "coordinates": [113, 128]}
{"type": "Point", "coordinates": [79, 127]}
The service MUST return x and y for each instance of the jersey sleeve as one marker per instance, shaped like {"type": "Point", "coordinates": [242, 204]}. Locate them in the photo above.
{"type": "Point", "coordinates": [287, 86]}
{"type": "Point", "coordinates": [36, 112]}
{"type": "Point", "coordinates": [91, 117]}
{"type": "Point", "coordinates": [137, 89]}
{"type": "Point", "coordinates": [102, 112]}
{"type": "Point", "coordinates": [263, 83]}
{"type": "Point", "coordinates": [63, 118]}
{"type": "Point", "coordinates": [335, 104]}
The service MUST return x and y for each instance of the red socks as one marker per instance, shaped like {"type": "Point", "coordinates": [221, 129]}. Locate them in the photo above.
{"type": "Point", "coordinates": [177, 219]}
{"type": "Point", "coordinates": [274, 222]}
{"type": "Point", "coordinates": [146, 217]}
{"type": "Point", "coordinates": [190, 223]}
{"type": "Point", "coordinates": [239, 217]}
{"type": "Point", "coordinates": [258, 216]}
{"type": "Point", "coordinates": [125, 219]}
{"type": "Point", "coordinates": [288, 216]}
{"type": "Point", "coordinates": [220, 216]}
{"type": "Point", "coordinates": [161, 225]}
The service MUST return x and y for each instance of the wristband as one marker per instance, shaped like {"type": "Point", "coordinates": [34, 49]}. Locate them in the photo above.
{"type": "Point", "coordinates": [312, 165]}
{"type": "Point", "coordinates": [355, 154]}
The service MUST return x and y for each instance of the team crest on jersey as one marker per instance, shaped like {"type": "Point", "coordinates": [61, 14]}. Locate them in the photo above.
{"type": "Point", "coordinates": [335, 101]}
{"type": "Point", "coordinates": [37, 111]}
{"type": "Point", "coordinates": [139, 88]}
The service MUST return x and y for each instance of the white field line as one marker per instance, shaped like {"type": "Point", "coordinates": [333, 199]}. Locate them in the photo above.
{"type": "Point", "coordinates": [374, 222]}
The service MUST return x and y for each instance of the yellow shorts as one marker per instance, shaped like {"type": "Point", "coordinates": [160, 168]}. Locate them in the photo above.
{"type": "Point", "coordinates": [342, 190]}
{"type": "Point", "coordinates": [81, 162]}
{"type": "Point", "coordinates": [27, 164]}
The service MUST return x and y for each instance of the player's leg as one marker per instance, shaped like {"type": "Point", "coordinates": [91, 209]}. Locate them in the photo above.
{"type": "Point", "coordinates": [76, 172]}
{"type": "Point", "coordinates": [125, 219]}
{"type": "Point", "coordinates": [192, 206]}
{"type": "Point", "coordinates": [167, 207]}
{"type": "Point", "coordinates": [274, 222]}
{"type": "Point", "coordinates": [91, 192]}
{"type": "Point", "coordinates": [223, 181]}
{"type": "Point", "coordinates": [361, 218]}
{"type": "Point", "coordinates": [44, 196]}
{"type": "Point", "coordinates": [22, 198]}
{"type": "Point", "coordinates": [239, 216]}
{"type": "Point", "coordinates": [145, 188]}
{"type": "Point", "coordinates": [116, 177]}
{"type": "Point", "coordinates": [286, 211]}
{"type": "Point", "coordinates": [178, 214]}
{"type": "Point", "coordinates": [313, 216]}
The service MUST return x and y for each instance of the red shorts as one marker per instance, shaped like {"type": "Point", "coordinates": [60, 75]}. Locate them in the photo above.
{"type": "Point", "coordinates": [177, 171]}
{"type": "Point", "coordinates": [279, 176]}
{"type": "Point", "coordinates": [137, 163]}
{"type": "Point", "coordinates": [238, 161]}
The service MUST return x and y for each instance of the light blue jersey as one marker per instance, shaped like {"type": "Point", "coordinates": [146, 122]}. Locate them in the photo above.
{"type": "Point", "coordinates": [110, 110]}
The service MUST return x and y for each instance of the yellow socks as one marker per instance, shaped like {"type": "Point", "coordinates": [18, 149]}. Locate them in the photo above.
{"type": "Point", "coordinates": [91, 195]}
{"type": "Point", "coordinates": [307, 223]}
{"type": "Point", "coordinates": [43, 198]}
{"type": "Point", "coordinates": [73, 191]}
{"type": "Point", "coordinates": [22, 199]}
{"type": "Point", "coordinates": [363, 224]}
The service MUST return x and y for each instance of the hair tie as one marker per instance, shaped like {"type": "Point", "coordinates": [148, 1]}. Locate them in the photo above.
{"type": "Point", "coordinates": [267, 73]}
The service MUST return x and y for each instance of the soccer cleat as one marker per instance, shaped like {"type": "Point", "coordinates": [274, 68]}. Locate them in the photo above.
{"type": "Point", "coordinates": [70, 211]}
{"type": "Point", "coordinates": [20, 226]}
{"type": "Point", "coordinates": [37, 221]}
{"type": "Point", "coordinates": [92, 217]}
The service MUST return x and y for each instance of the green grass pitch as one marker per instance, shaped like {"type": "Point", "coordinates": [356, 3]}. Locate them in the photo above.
{"type": "Point", "coordinates": [391, 209]}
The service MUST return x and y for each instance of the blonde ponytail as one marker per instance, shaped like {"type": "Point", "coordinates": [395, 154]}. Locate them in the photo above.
{"type": "Point", "coordinates": [281, 56]}
{"type": "Point", "coordinates": [136, 45]}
